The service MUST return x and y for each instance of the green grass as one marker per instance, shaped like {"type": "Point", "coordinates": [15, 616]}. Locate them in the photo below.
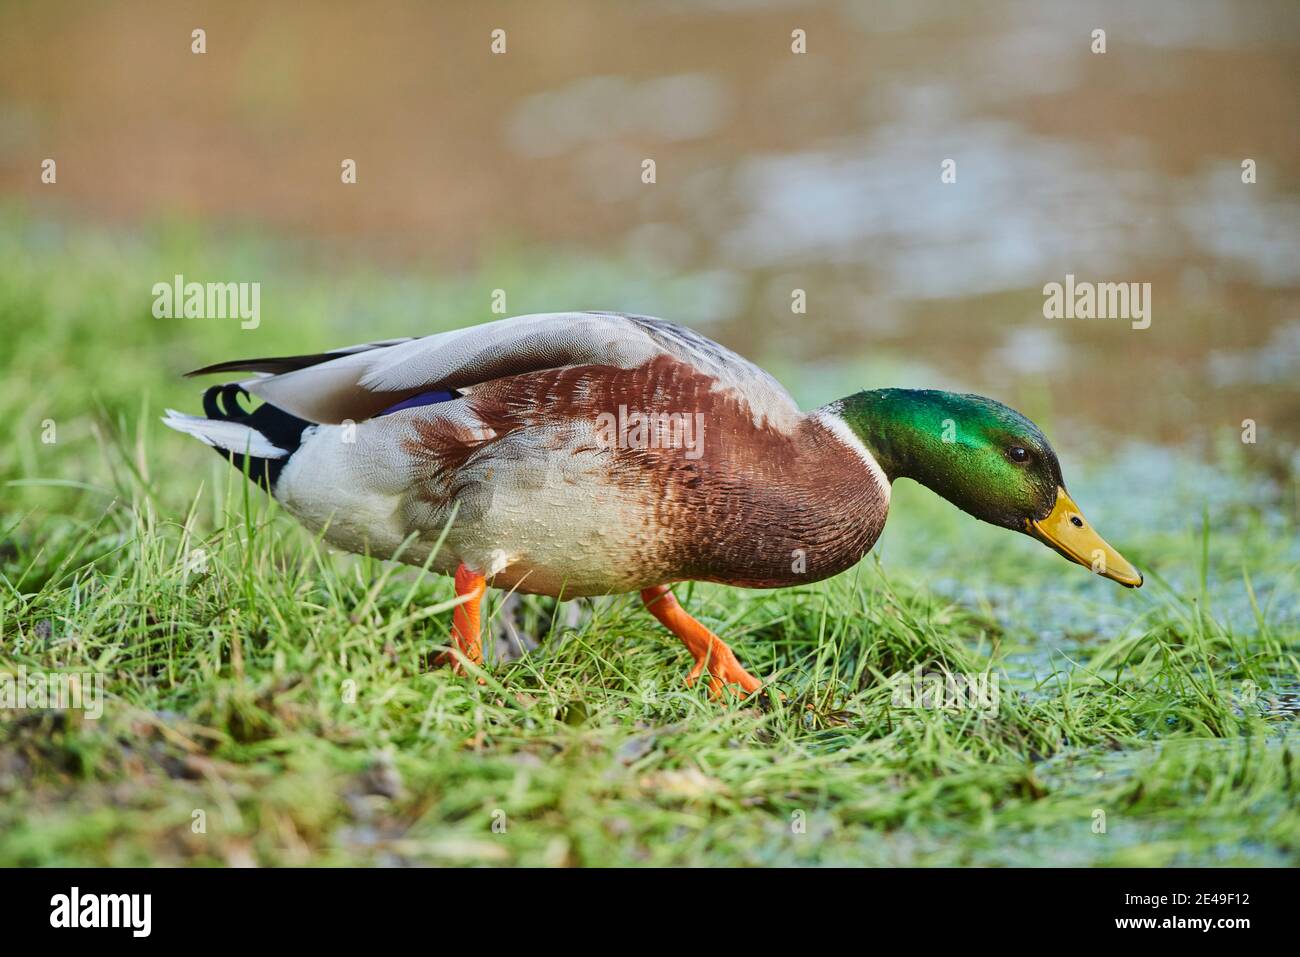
{"type": "Point", "coordinates": [276, 690]}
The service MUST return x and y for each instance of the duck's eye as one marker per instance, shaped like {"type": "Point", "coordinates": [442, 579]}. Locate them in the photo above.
{"type": "Point", "coordinates": [1018, 454]}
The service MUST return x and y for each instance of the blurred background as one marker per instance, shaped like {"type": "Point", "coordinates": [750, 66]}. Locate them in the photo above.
{"type": "Point", "coordinates": [775, 171]}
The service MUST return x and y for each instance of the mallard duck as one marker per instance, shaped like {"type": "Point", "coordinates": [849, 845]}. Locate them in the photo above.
{"type": "Point", "coordinates": [578, 454]}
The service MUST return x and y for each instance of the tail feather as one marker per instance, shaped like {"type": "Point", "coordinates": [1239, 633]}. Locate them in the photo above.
{"type": "Point", "coordinates": [258, 442]}
{"type": "Point", "coordinates": [222, 434]}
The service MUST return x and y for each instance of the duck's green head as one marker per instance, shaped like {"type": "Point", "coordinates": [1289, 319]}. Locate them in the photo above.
{"type": "Point", "coordinates": [985, 458]}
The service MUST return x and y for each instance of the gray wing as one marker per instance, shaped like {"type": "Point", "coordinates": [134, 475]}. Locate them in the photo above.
{"type": "Point", "coordinates": [357, 384]}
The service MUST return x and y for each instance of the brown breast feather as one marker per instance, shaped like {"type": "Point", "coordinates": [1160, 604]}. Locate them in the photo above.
{"type": "Point", "coordinates": [760, 507]}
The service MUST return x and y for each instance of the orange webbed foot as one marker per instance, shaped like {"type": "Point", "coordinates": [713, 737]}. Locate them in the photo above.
{"type": "Point", "coordinates": [465, 623]}
{"type": "Point", "coordinates": [708, 649]}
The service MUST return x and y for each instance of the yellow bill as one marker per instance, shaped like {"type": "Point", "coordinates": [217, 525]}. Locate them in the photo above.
{"type": "Point", "coordinates": [1065, 530]}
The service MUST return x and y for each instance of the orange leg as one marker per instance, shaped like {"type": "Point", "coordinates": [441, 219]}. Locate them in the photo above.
{"type": "Point", "coordinates": [707, 648]}
{"type": "Point", "coordinates": [465, 620]}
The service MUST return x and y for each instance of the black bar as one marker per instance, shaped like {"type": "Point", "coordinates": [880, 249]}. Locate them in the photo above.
{"type": "Point", "coordinates": [292, 907]}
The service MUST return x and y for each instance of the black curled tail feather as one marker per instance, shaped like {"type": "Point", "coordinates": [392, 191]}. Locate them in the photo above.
{"type": "Point", "coordinates": [281, 428]}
